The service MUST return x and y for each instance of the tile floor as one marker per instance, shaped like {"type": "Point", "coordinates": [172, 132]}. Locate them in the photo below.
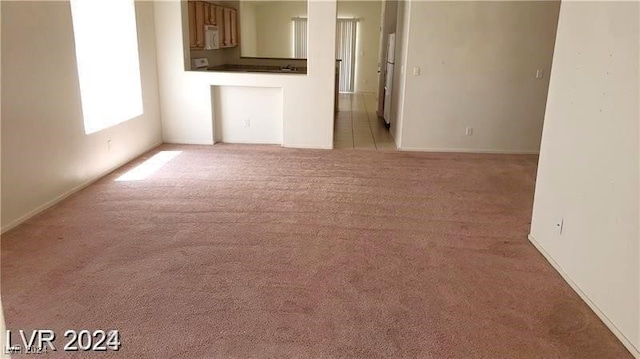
{"type": "Point", "coordinates": [357, 125]}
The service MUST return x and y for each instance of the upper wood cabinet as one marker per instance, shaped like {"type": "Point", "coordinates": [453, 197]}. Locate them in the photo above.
{"type": "Point", "coordinates": [226, 37]}
{"type": "Point", "coordinates": [212, 15]}
{"type": "Point", "coordinates": [220, 21]}
{"type": "Point", "coordinates": [199, 24]}
{"type": "Point", "coordinates": [203, 13]}
{"type": "Point", "coordinates": [234, 27]}
{"type": "Point", "coordinates": [207, 14]}
{"type": "Point", "coordinates": [192, 25]}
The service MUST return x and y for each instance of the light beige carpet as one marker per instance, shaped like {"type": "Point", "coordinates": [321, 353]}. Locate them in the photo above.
{"type": "Point", "coordinates": [262, 252]}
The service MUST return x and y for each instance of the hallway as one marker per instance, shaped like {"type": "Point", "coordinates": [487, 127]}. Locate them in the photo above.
{"type": "Point", "coordinates": [357, 125]}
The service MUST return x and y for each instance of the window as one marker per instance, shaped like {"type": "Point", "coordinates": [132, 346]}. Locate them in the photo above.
{"type": "Point", "coordinates": [300, 38]}
{"type": "Point", "coordinates": [106, 40]}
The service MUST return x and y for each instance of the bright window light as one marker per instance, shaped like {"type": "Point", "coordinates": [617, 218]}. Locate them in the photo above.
{"type": "Point", "coordinates": [106, 40]}
{"type": "Point", "coordinates": [148, 167]}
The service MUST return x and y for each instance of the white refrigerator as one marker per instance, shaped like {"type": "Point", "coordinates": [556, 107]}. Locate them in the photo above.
{"type": "Point", "coordinates": [388, 77]}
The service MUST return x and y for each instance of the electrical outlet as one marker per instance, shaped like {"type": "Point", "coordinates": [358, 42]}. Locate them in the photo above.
{"type": "Point", "coordinates": [468, 131]}
{"type": "Point", "coordinates": [247, 123]}
{"type": "Point", "coordinates": [539, 73]}
{"type": "Point", "coordinates": [416, 71]}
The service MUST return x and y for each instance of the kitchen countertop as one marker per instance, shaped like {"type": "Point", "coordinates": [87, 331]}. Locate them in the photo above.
{"type": "Point", "coordinates": [259, 68]}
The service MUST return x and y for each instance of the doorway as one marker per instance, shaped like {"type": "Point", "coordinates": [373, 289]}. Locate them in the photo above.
{"type": "Point", "coordinates": [358, 30]}
{"type": "Point", "coordinates": [357, 44]}
{"type": "Point", "coordinates": [346, 52]}
{"type": "Point", "coordinates": [358, 127]}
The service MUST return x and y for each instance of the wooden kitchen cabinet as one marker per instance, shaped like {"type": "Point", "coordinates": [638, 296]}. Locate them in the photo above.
{"type": "Point", "coordinates": [212, 15]}
{"type": "Point", "coordinates": [229, 32]}
{"type": "Point", "coordinates": [203, 13]}
{"type": "Point", "coordinates": [226, 36]}
{"type": "Point", "coordinates": [220, 22]}
{"type": "Point", "coordinates": [234, 27]}
{"type": "Point", "coordinates": [192, 25]}
{"type": "Point", "coordinates": [207, 14]}
{"type": "Point", "coordinates": [199, 24]}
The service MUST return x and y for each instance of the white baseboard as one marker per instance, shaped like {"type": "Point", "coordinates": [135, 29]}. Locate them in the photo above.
{"type": "Point", "coordinates": [625, 341]}
{"type": "Point", "coordinates": [51, 203]}
{"type": "Point", "coordinates": [311, 147]}
{"type": "Point", "coordinates": [250, 143]}
{"type": "Point", "coordinates": [468, 150]}
{"type": "Point", "coordinates": [187, 142]}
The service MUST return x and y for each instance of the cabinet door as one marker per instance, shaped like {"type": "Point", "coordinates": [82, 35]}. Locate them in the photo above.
{"type": "Point", "coordinates": [227, 26]}
{"type": "Point", "coordinates": [220, 23]}
{"type": "Point", "coordinates": [234, 27]}
{"type": "Point", "coordinates": [207, 14]}
{"type": "Point", "coordinates": [199, 24]}
{"type": "Point", "coordinates": [192, 24]}
{"type": "Point", "coordinates": [212, 14]}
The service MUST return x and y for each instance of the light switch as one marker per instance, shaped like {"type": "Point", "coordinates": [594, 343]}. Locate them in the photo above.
{"type": "Point", "coordinates": [539, 74]}
{"type": "Point", "coordinates": [416, 71]}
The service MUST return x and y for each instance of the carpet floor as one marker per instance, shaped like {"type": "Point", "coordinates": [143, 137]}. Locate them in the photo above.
{"type": "Point", "coordinates": [237, 251]}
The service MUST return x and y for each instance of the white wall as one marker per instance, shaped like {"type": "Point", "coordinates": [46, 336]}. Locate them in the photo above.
{"type": "Point", "coordinates": [261, 106]}
{"type": "Point", "coordinates": [478, 62]}
{"type": "Point", "coordinates": [588, 172]}
{"type": "Point", "coordinates": [45, 152]}
{"type": "Point", "coordinates": [367, 42]}
{"type": "Point", "coordinates": [248, 29]}
{"type": "Point", "coordinates": [187, 109]}
{"type": "Point", "coordinates": [274, 26]}
{"type": "Point", "coordinates": [403, 16]}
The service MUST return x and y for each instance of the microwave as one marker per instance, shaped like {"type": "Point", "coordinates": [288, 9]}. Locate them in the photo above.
{"type": "Point", "coordinates": [211, 37]}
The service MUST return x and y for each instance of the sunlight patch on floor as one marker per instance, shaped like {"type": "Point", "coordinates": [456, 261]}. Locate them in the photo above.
{"type": "Point", "coordinates": [148, 167]}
